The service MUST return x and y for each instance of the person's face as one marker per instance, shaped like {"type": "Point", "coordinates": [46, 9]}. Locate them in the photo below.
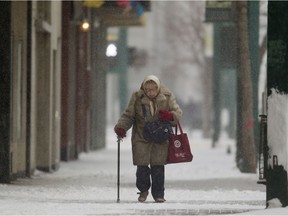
{"type": "Point", "coordinates": [151, 90]}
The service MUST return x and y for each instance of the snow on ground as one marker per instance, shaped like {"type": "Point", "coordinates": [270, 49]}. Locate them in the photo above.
{"type": "Point", "coordinates": [88, 186]}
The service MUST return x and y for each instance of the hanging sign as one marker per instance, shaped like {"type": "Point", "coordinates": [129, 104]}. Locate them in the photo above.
{"type": "Point", "coordinates": [120, 12]}
{"type": "Point", "coordinates": [93, 3]}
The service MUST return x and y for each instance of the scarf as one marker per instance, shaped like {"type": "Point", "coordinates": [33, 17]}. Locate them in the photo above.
{"type": "Point", "coordinates": [153, 107]}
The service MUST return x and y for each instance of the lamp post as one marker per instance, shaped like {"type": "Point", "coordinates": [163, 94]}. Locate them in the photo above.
{"type": "Point", "coordinates": [122, 68]}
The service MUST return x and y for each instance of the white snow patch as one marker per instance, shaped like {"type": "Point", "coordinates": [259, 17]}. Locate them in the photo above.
{"type": "Point", "coordinates": [274, 203]}
{"type": "Point", "coordinates": [278, 127]}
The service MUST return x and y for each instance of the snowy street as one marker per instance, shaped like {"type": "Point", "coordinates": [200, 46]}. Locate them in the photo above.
{"type": "Point", "coordinates": [211, 184]}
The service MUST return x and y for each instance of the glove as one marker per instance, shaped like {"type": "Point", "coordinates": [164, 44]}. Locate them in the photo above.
{"type": "Point", "coordinates": [166, 115]}
{"type": "Point", "coordinates": [121, 133]}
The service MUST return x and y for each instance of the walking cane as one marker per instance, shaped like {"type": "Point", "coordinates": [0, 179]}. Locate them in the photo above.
{"type": "Point", "coordinates": [118, 169]}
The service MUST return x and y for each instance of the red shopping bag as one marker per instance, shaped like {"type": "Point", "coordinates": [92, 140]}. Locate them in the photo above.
{"type": "Point", "coordinates": [179, 148]}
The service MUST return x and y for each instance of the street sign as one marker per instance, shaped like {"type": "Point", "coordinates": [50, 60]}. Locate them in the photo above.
{"type": "Point", "coordinates": [219, 11]}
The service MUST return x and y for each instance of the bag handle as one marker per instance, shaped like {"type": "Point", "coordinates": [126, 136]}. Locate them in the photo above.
{"type": "Point", "coordinates": [176, 129]}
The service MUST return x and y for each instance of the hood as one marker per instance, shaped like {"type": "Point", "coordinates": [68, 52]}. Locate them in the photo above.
{"type": "Point", "coordinates": [153, 78]}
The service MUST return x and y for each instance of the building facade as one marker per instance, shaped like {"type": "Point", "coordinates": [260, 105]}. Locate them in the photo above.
{"type": "Point", "coordinates": [52, 82]}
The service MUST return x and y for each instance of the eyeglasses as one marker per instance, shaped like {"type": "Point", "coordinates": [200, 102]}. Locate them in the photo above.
{"type": "Point", "coordinates": [148, 90]}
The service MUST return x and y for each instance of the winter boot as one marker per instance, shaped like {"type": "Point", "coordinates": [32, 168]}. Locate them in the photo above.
{"type": "Point", "coordinates": [159, 200]}
{"type": "Point", "coordinates": [142, 196]}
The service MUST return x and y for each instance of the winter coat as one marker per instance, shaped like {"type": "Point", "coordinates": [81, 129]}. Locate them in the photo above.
{"type": "Point", "coordinates": [143, 152]}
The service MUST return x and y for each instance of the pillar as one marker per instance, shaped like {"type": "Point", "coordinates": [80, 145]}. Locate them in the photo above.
{"type": "Point", "coordinates": [277, 102]}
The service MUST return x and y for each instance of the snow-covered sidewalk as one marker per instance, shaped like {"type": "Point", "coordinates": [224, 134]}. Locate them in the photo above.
{"type": "Point", "coordinates": [210, 184]}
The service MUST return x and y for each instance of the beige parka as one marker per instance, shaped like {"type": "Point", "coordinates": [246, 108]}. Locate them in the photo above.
{"type": "Point", "coordinates": [143, 152]}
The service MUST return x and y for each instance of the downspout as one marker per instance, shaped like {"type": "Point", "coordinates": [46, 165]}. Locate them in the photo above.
{"type": "Point", "coordinates": [28, 86]}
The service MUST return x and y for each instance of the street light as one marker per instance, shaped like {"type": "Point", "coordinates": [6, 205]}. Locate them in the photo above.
{"type": "Point", "coordinates": [85, 26]}
{"type": "Point", "coordinates": [111, 50]}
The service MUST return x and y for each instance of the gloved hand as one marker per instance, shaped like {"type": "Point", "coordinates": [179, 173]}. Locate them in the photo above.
{"type": "Point", "coordinates": [166, 115]}
{"type": "Point", "coordinates": [121, 133]}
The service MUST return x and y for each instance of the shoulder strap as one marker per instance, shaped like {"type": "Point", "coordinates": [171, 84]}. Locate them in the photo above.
{"type": "Point", "coordinates": [144, 111]}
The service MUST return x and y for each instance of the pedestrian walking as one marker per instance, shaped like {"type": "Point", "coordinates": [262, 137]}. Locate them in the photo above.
{"type": "Point", "coordinates": [153, 101]}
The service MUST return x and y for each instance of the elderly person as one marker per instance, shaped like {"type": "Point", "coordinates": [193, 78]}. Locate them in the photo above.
{"type": "Point", "coordinates": [149, 157]}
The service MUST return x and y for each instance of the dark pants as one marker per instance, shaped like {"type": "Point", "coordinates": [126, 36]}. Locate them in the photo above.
{"type": "Point", "coordinates": [143, 181]}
